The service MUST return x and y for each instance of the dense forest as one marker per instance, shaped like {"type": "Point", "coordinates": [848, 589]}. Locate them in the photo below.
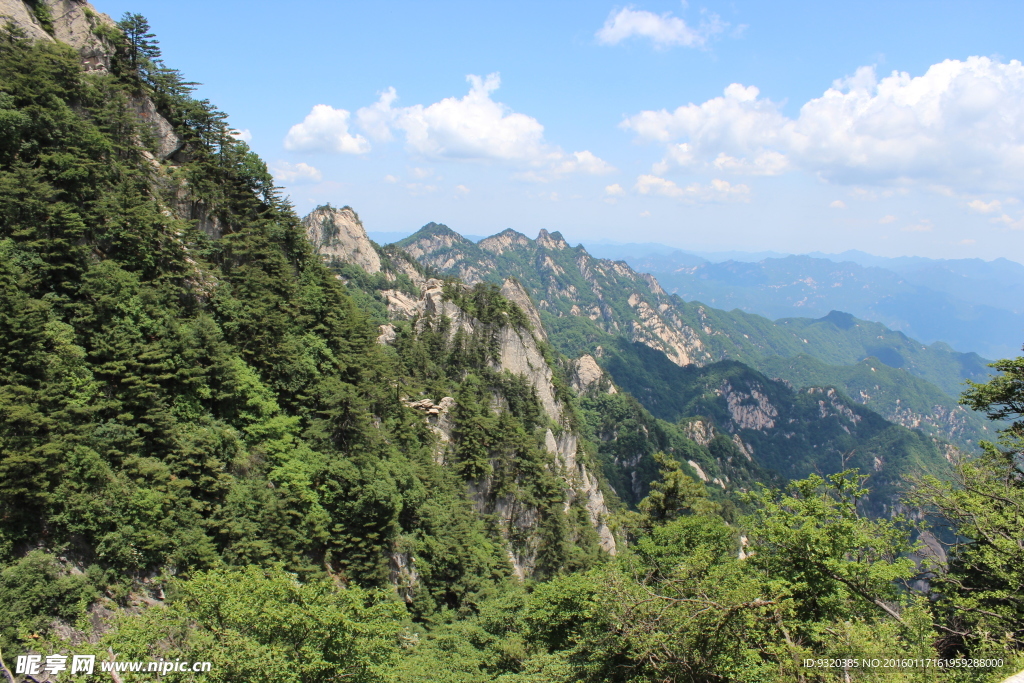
{"type": "Point", "coordinates": [208, 454]}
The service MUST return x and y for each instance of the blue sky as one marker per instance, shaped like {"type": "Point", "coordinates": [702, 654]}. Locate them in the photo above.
{"type": "Point", "coordinates": [791, 126]}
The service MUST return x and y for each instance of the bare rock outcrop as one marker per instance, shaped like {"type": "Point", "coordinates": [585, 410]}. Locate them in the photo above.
{"type": "Point", "coordinates": [504, 241]}
{"type": "Point", "coordinates": [338, 233]}
{"type": "Point", "coordinates": [518, 352]}
{"type": "Point", "coordinates": [586, 376]}
{"type": "Point", "coordinates": [514, 292]}
{"type": "Point", "coordinates": [167, 142]}
{"type": "Point", "coordinates": [749, 409]}
{"type": "Point", "coordinates": [551, 240]}
{"type": "Point", "coordinates": [701, 431]}
{"type": "Point", "coordinates": [73, 22]}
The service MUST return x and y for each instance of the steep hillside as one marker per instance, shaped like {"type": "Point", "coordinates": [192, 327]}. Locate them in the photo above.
{"type": "Point", "coordinates": [274, 450]}
{"type": "Point", "coordinates": [665, 353]}
{"type": "Point", "coordinates": [185, 384]}
{"type": "Point", "coordinates": [594, 423]}
{"type": "Point", "coordinates": [587, 302]}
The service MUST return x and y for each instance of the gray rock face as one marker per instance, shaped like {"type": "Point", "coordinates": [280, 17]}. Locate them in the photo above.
{"type": "Point", "coordinates": [519, 352]}
{"type": "Point", "coordinates": [74, 23]}
{"type": "Point", "coordinates": [19, 14]}
{"type": "Point", "coordinates": [338, 233]}
{"type": "Point", "coordinates": [586, 376]}
{"type": "Point", "coordinates": [167, 143]}
{"type": "Point", "coordinates": [514, 292]}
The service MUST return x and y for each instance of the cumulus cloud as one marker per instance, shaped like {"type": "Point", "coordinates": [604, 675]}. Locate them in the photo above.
{"type": "Point", "coordinates": [885, 220]}
{"type": "Point", "coordinates": [474, 128]}
{"type": "Point", "coordinates": [245, 135]}
{"type": "Point", "coordinates": [1009, 221]}
{"type": "Point", "coordinates": [295, 173]}
{"type": "Point", "coordinates": [837, 204]}
{"type": "Point", "coordinates": [960, 124]}
{"type": "Point", "coordinates": [985, 207]}
{"type": "Point", "coordinates": [325, 129]}
{"type": "Point", "coordinates": [718, 191]}
{"type": "Point", "coordinates": [664, 30]}
{"type": "Point", "coordinates": [614, 190]}
{"type": "Point", "coordinates": [923, 226]}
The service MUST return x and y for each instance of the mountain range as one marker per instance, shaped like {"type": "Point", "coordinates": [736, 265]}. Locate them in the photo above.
{"type": "Point", "coordinates": [234, 436]}
{"type": "Point", "coordinates": [586, 303]}
{"type": "Point", "coordinates": [970, 304]}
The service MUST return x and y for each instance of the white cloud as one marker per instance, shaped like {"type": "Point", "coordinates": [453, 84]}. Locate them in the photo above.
{"type": "Point", "coordinates": [475, 128]}
{"type": "Point", "coordinates": [614, 190]}
{"type": "Point", "coordinates": [325, 129]}
{"type": "Point", "coordinates": [461, 189]}
{"type": "Point", "coordinates": [295, 173]}
{"type": "Point", "coordinates": [1009, 222]}
{"type": "Point", "coordinates": [985, 207]}
{"type": "Point", "coordinates": [645, 214]}
{"type": "Point", "coordinates": [245, 135]}
{"type": "Point", "coordinates": [717, 191]}
{"type": "Point", "coordinates": [967, 243]}
{"type": "Point", "coordinates": [837, 204]}
{"type": "Point", "coordinates": [663, 30]}
{"type": "Point", "coordinates": [376, 119]}
{"type": "Point", "coordinates": [959, 125]}
{"type": "Point", "coordinates": [578, 162]}
{"type": "Point", "coordinates": [923, 226]}
{"type": "Point", "coordinates": [420, 189]}
{"type": "Point", "coordinates": [884, 220]}
{"type": "Point", "coordinates": [390, 178]}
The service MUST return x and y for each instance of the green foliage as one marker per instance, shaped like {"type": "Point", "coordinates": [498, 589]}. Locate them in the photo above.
{"type": "Point", "coordinates": [836, 561]}
{"type": "Point", "coordinates": [197, 395]}
{"type": "Point", "coordinates": [676, 493]}
{"type": "Point", "coordinates": [43, 15]}
{"type": "Point", "coordinates": [263, 625]}
{"type": "Point", "coordinates": [980, 587]}
{"type": "Point", "coordinates": [34, 591]}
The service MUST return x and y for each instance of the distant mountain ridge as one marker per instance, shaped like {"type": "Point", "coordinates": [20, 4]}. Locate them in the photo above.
{"type": "Point", "coordinates": [586, 303]}
{"type": "Point", "coordinates": [971, 304]}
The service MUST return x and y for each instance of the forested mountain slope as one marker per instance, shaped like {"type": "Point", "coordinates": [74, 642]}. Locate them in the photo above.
{"type": "Point", "coordinates": [229, 436]}
{"type": "Point", "coordinates": [185, 383]}
{"type": "Point", "coordinates": [586, 302]}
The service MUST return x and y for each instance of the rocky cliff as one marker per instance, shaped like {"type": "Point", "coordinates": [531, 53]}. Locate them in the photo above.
{"type": "Point", "coordinates": [339, 234]}
{"type": "Point", "coordinates": [516, 348]}
{"type": "Point", "coordinates": [519, 353]}
{"type": "Point", "coordinates": [73, 22]}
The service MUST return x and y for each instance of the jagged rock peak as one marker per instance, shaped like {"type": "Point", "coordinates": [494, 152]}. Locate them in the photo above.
{"type": "Point", "coordinates": [514, 292]}
{"type": "Point", "coordinates": [338, 233]}
{"type": "Point", "coordinates": [68, 21]}
{"type": "Point", "coordinates": [587, 375]}
{"type": "Point", "coordinates": [504, 240]}
{"type": "Point", "coordinates": [552, 240]}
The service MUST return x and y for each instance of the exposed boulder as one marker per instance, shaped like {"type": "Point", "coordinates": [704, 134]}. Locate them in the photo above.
{"type": "Point", "coordinates": [167, 142]}
{"type": "Point", "coordinates": [586, 376]}
{"type": "Point", "coordinates": [339, 234]}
